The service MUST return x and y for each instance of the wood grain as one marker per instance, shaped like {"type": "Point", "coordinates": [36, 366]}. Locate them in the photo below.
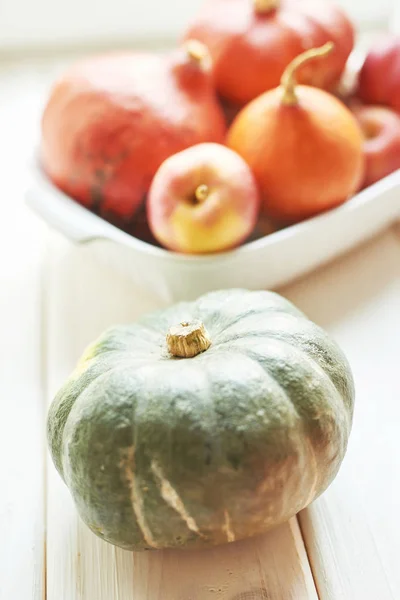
{"type": "Point", "coordinates": [22, 241]}
{"type": "Point", "coordinates": [21, 431]}
{"type": "Point", "coordinates": [273, 566]}
{"type": "Point", "coordinates": [83, 298]}
{"type": "Point", "coordinates": [352, 533]}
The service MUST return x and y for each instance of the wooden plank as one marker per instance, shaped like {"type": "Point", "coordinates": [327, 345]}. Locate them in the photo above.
{"type": "Point", "coordinates": [21, 430]}
{"type": "Point", "coordinates": [22, 240]}
{"type": "Point", "coordinates": [83, 298]}
{"type": "Point", "coordinates": [273, 566]}
{"type": "Point", "coordinates": [352, 532]}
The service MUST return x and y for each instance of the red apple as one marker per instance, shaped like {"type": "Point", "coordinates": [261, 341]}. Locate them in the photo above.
{"type": "Point", "coordinates": [379, 78]}
{"type": "Point", "coordinates": [203, 199]}
{"type": "Point", "coordinates": [381, 128]}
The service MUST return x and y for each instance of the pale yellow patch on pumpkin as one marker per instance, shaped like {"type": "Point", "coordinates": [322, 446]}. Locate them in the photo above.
{"type": "Point", "coordinates": [82, 365]}
{"type": "Point", "coordinates": [88, 354]}
{"type": "Point", "coordinates": [79, 370]}
{"type": "Point", "coordinates": [172, 498]}
{"type": "Point", "coordinates": [227, 528]}
{"type": "Point", "coordinates": [127, 465]}
{"type": "Point", "coordinates": [314, 483]}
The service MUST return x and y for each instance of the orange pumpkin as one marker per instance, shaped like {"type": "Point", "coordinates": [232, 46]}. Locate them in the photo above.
{"type": "Point", "coordinates": [253, 41]}
{"type": "Point", "coordinates": [303, 145]}
{"type": "Point", "coordinates": [112, 120]}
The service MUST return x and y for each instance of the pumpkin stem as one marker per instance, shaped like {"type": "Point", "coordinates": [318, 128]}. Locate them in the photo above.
{"type": "Point", "coordinates": [263, 7]}
{"type": "Point", "coordinates": [198, 53]}
{"type": "Point", "coordinates": [201, 193]}
{"type": "Point", "coordinates": [186, 340]}
{"type": "Point", "coordinates": [288, 80]}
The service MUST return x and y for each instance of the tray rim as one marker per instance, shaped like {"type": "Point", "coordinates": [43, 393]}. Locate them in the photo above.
{"type": "Point", "coordinates": [99, 228]}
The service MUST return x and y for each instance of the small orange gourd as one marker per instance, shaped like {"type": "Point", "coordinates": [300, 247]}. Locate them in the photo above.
{"type": "Point", "coordinates": [303, 145]}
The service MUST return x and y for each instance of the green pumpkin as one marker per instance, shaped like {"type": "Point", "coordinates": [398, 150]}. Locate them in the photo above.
{"type": "Point", "coordinates": [160, 450]}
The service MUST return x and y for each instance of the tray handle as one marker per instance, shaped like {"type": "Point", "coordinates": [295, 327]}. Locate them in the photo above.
{"type": "Point", "coordinates": [64, 214]}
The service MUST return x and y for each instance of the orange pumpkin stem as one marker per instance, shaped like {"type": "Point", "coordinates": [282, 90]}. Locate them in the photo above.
{"type": "Point", "coordinates": [288, 80]}
{"type": "Point", "coordinates": [197, 51]}
{"type": "Point", "coordinates": [263, 7]}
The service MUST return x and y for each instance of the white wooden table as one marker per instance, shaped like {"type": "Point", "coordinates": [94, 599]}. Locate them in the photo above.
{"type": "Point", "coordinates": [54, 299]}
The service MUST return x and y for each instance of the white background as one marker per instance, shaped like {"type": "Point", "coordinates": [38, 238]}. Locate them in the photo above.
{"type": "Point", "coordinates": [28, 23]}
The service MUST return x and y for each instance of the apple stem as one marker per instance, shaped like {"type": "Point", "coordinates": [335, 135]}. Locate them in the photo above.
{"type": "Point", "coordinates": [201, 193]}
{"type": "Point", "coordinates": [263, 7]}
{"type": "Point", "coordinates": [288, 80]}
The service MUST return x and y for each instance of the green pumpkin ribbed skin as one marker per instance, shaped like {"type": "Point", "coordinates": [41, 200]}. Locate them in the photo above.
{"type": "Point", "coordinates": [163, 452]}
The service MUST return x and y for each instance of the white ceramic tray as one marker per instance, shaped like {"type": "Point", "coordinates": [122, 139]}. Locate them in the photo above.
{"type": "Point", "coordinates": [268, 262]}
